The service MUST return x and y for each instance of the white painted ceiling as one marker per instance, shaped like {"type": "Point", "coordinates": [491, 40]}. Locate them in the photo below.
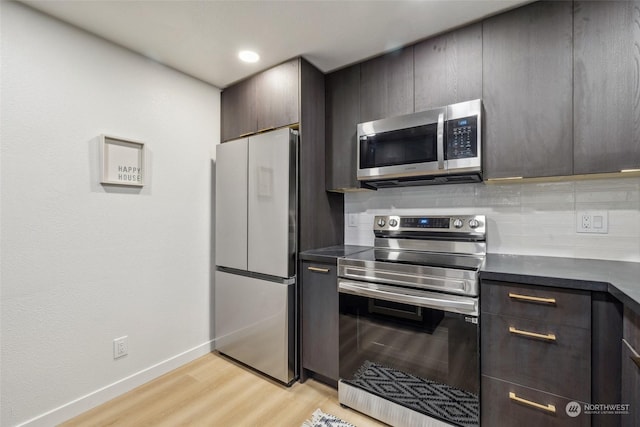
{"type": "Point", "coordinates": [202, 38]}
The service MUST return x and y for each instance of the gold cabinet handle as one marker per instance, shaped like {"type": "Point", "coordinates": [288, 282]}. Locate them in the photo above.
{"type": "Point", "coordinates": [548, 337]}
{"type": "Point", "coordinates": [548, 408]}
{"type": "Point", "coordinates": [245, 134]}
{"type": "Point", "coordinates": [529, 298]}
{"type": "Point", "coordinates": [318, 270]}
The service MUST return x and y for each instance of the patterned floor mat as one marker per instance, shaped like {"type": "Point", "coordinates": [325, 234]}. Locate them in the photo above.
{"type": "Point", "coordinates": [428, 397]}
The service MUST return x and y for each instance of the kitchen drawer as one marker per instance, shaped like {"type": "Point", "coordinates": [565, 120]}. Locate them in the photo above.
{"type": "Point", "coordinates": [506, 404]}
{"type": "Point", "coordinates": [555, 305]}
{"type": "Point", "coordinates": [560, 364]}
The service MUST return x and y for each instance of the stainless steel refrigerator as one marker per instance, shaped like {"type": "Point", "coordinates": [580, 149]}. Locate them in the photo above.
{"type": "Point", "coordinates": [256, 234]}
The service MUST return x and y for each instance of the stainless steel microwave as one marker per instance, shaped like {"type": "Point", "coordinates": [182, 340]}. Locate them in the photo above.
{"type": "Point", "coordinates": [442, 145]}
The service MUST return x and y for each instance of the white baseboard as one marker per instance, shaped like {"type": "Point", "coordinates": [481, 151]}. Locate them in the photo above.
{"type": "Point", "coordinates": [106, 393]}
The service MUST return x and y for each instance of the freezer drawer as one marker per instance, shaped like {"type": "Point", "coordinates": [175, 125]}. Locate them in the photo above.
{"type": "Point", "coordinates": [254, 323]}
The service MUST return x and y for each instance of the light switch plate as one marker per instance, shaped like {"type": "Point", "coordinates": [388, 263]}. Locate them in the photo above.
{"type": "Point", "coordinates": [592, 222]}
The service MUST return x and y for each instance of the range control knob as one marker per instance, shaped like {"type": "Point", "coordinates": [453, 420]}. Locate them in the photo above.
{"type": "Point", "coordinates": [473, 223]}
{"type": "Point", "coordinates": [381, 222]}
{"type": "Point", "coordinates": [393, 222]}
{"type": "Point", "coordinates": [457, 223]}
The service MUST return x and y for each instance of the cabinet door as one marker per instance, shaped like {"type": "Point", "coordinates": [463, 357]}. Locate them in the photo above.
{"type": "Point", "coordinates": [278, 91]}
{"type": "Point", "coordinates": [238, 110]}
{"type": "Point", "coordinates": [320, 319]}
{"type": "Point", "coordinates": [231, 204]}
{"type": "Point", "coordinates": [607, 92]}
{"type": "Point", "coordinates": [386, 85]}
{"type": "Point", "coordinates": [448, 68]}
{"type": "Point", "coordinates": [342, 118]}
{"type": "Point", "coordinates": [527, 91]}
{"type": "Point", "coordinates": [630, 370]}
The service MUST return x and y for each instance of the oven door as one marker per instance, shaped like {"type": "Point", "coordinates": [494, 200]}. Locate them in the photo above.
{"type": "Point", "coordinates": [416, 349]}
{"type": "Point", "coordinates": [403, 146]}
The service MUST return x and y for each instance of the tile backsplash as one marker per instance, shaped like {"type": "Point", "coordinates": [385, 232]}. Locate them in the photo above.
{"type": "Point", "coordinates": [524, 218]}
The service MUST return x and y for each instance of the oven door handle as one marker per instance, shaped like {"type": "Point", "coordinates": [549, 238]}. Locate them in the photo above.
{"type": "Point", "coordinates": [450, 303]}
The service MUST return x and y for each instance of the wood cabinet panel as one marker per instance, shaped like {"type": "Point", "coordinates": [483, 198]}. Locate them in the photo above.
{"type": "Point", "coordinates": [238, 110]}
{"type": "Point", "coordinates": [277, 95]}
{"type": "Point", "coordinates": [607, 86]}
{"type": "Point", "coordinates": [321, 214]}
{"type": "Point", "coordinates": [561, 365]}
{"type": "Point", "coordinates": [386, 85]}
{"type": "Point", "coordinates": [499, 409]}
{"type": "Point", "coordinates": [569, 306]}
{"type": "Point", "coordinates": [342, 118]}
{"type": "Point", "coordinates": [448, 68]}
{"type": "Point", "coordinates": [630, 370]}
{"type": "Point", "coordinates": [320, 319]}
{"type": "Point", "coordinates": [527, 91]}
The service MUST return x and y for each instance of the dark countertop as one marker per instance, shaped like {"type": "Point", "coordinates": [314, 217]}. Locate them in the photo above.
{"type": "Point", "coordinates": [331, 254]}
{"type": "Point", "coordinates": [620, 279]}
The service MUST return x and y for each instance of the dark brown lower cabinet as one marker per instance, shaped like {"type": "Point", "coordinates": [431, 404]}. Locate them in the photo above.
{"type": "Point", "coordinates": [631, 369]}
{"type": "Point", "coordinates": [319, 321]}
{"type": "Point", "coordinates": [515, 405]}
{"type": "Point", "coordinates": [546, 352]}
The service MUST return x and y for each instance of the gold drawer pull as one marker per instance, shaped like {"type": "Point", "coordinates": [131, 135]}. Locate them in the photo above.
{"type": "Point", "coordinates": [530, 298]}
{"type": "Point", "coordinates": [549, 408]}
{"type": "Point", "coordinates": [548, 337]}
{"type": "Point", "coordinates": [318, 270]}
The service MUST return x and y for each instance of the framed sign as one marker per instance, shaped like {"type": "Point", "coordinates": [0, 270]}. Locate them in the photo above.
{"type": "Point", "coordinates": [122, 161]}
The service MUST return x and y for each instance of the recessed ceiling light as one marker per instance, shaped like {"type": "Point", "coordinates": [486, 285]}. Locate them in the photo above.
{"type": "Point", "coordinates": [248, 56]}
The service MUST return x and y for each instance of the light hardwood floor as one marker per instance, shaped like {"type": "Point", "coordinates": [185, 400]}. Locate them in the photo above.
{"type": "Point", "coordinates": [213, 391]}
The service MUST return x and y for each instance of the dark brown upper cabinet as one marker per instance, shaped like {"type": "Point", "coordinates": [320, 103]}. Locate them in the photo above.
{"type": "Point", "coordinates": [238, 110]}
{"type": "Point", "coordinates": [607, 86]}
{"type": "Point", "coordinates": [342, 117]}
{"type": "Point", "coordinates": [278, 96]}
{"type": "Point", "coordinates": [268, 100]}
{"type": "Point", "coordinates": [386, 85]}
{"type": "Point", "coordinates": [527, 91]}
{"type": "Point", "coordinates": [448, 68]}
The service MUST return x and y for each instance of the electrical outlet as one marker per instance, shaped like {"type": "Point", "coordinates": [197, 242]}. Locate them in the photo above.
{"type": "Point", "coordinates": [120, 347]}
{"type": "Point", "coordinates": [592, 222]}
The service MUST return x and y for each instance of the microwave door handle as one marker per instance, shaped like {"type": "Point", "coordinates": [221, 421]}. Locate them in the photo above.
{"type": "Point", "coordinates": [440, 141]}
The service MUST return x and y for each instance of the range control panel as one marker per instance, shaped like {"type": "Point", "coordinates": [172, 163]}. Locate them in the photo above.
{"type": "Point", "coordinates": [475, 224]}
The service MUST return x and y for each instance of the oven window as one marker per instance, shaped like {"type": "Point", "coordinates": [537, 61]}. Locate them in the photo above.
{"type": "Point", "coordinates": [400, 147]}
{"type": "Point", "coordinates": [421, 358]}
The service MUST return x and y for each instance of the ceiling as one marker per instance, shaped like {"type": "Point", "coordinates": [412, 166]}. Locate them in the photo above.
{"type": "Point", "coordinates": [202, 38]}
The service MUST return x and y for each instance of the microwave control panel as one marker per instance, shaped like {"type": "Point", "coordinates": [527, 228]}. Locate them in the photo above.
{"type": "Point", "coordinates": [462, 138]}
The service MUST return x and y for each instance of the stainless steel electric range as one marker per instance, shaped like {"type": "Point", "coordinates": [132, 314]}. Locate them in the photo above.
{"type": "Point", "coordinates": [409, 321]}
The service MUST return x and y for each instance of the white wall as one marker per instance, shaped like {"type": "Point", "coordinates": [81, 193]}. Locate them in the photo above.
{"type": "Point", "coordinates": [82, 264]}
{"type": "Point", "coordinates": [525, 219]}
